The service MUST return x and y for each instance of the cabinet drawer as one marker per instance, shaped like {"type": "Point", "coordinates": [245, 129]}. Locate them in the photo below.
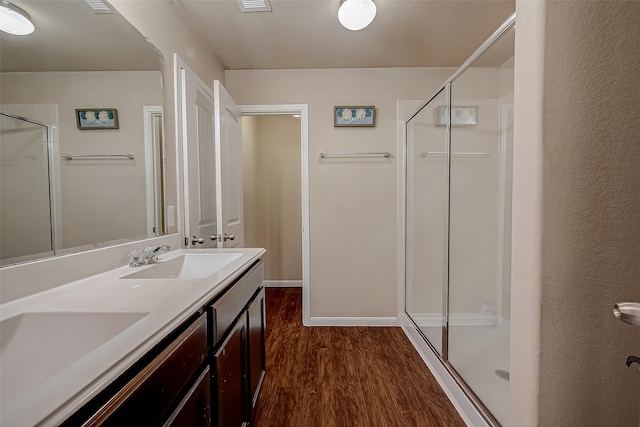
{"type": "Point", "coordinates": [225, 310]}
{"type": "Point", "coordinates": [146, 398]}
{"type": "Point", "coordinates": [195, 409]}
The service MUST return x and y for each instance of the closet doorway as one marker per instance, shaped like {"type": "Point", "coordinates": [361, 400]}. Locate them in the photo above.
{"type": "Point", "coordinates": [275, 177]}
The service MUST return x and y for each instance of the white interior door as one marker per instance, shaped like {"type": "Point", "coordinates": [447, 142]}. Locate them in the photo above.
{"type": "Point", "coordinates": [199, 162]}
{"type": "Point", "coordinates": [228, 137]}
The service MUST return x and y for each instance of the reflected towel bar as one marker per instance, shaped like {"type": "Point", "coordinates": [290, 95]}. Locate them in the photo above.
{"type": "Point", "coordinates": [98, 156]}
{"type": "Point", "coordinates": [444, 153]}
{"type": "Point", "coordinates": [356, 154]}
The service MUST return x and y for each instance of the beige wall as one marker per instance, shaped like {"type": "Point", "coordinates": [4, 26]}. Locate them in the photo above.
{"type": "Point", "coordinates": [163, 23]}
{"type": "Point", "coordinates": [353, 249]}
{"type": "Point", "coordinates": [273, 220]}
{"type": "Point", "coordinates": [576, 223]}
{"type": "Point", "coordinates": [100, 200]}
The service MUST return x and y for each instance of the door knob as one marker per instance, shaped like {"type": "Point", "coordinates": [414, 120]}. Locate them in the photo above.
{"type": "Point", "coordinates": [195, 240]}
{"type": "Point", "coordinates": [628, 312]}
{"type": "Point", "coordinates": [228, 237]}
{"type": "Point", "coordinates": [214, 237]}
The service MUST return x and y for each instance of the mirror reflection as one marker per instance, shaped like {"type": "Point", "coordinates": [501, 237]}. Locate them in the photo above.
{"type": "Point", "coordinates": [81, 150]}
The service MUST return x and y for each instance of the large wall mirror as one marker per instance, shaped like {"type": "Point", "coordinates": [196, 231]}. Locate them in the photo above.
{"type": "Point", "coordinates": [81, 143]}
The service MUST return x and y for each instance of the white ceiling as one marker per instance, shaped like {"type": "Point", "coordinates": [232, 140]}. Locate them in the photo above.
{"type": "Point", "coordinates": [296, 34]}
{"type": "Point", "coordinates": [70, 37]}
{"type": "Point", "coordinates": [306, 33]}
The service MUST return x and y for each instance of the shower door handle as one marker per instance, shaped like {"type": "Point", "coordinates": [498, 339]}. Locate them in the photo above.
{"type": "Point", "coordinates": [628, 312]}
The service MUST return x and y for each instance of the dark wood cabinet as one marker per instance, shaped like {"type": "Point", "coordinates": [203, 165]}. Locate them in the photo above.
{"type": "Point", "coordinates": [195, 408]}
{"type": "Point", "coordinates": [207, 372]}
{"type": "Point", "coordinates": [256, 322]}
{"type": "Point", "coordinates": [148, 397]}
{"type": "Point", "coordinates": [229, 378]}
{"type": "Point", "coordinates": [238, 339]}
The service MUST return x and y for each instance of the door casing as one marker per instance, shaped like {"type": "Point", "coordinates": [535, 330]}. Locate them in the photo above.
{"type": "Point", "coordinates": [303, 111]}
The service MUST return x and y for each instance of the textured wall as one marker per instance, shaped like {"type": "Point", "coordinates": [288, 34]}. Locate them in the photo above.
{"type": "Point", "coordinates": [576, 213]}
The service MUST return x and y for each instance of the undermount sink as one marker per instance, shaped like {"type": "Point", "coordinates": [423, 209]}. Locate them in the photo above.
{"type": "Point", "coordinates": [36, 346]}
{"type": "Point", "coordinates": [188, 266]}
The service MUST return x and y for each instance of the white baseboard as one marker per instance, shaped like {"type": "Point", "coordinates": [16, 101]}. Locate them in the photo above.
{"type": "Point", "coordinates": [282, 283]}
{"type": "Point", "coordinates": [460, 401]}
{"type": "Point", "coordinates": [353, 321]}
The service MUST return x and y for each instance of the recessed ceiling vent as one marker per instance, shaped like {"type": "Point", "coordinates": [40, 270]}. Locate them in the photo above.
{"type": "Point", "coordinates": [254, 5]}
{"type": "Point", "coordinates": [98, 7]}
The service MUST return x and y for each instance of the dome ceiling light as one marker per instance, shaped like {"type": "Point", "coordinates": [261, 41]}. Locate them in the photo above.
{"type": "Point", "coordinates": [14, 20]}
{"type": "Point", "coordinates": [356, 14]}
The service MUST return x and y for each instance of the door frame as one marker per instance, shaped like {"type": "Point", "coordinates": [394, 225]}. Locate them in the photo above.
{"type": "Point", "coordinates": [303, 110]}
{"type": "Point", "coordinates": [153, 176]}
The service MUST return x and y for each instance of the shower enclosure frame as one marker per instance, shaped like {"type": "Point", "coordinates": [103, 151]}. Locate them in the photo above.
{"type": "Point", "coordinates": [50, 167]}
{"type": "Point", "coordinates": [446, 88]}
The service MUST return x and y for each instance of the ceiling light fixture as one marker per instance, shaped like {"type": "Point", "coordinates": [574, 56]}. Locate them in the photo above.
{"type": "Point", "coordinates": [14, 20]}
{"type": "Point", "coordinates": [356, 14]}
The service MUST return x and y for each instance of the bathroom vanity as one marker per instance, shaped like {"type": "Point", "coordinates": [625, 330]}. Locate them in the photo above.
{"type": "Point", "coordinates": [176, 343]}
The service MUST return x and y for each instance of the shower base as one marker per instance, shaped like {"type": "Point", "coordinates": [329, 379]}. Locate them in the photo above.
{"type": "Point", "coordinates": [476, 352]}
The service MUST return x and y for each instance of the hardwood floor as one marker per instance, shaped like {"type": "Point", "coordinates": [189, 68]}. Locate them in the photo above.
{"type": "Point", "coordinates": [343, 376]}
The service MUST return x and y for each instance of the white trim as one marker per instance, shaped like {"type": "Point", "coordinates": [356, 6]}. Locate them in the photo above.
{"type": "Point", "coordinates": [282, 283]}
{"type": "Point", "coordinates": [505, 109]}
{"type": "Point", "coordinates": [463, 405]}
{"type": "Point", "coordinates": [303, 110]}
{"type": "Point", "coordinates": [152, 176]}
{"type": "Point", "coordinates": [181, 212]}
{"type": "Point", "coordinates": [353, 321]}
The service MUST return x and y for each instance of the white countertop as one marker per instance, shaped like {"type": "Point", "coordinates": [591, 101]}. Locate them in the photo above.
{"type": "Point", "coordinates": [168, 302]}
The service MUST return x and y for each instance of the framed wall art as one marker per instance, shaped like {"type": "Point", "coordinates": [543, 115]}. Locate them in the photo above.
{"type": "Point", "coordinates": [354, 116]}
{"type": "Point", "coordinates": [97, 118]}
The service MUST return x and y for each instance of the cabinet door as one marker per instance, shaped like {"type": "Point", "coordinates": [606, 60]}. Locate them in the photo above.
{"type": "Point", "coordinates": [195, 409]}
{"type": "Point", "coordinates": [256, 321]}
{"type": "Point", "coordinates": [229, 378]}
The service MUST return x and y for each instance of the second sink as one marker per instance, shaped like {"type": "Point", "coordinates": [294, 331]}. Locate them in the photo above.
{"type": "Point", "coordinates": [188, 266]}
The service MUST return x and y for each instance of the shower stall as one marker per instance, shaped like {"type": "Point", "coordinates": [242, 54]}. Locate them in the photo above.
{"type": "Point", "coordinates": [26, 211]}
{"type": "Point", "coordinates": [458, 224]}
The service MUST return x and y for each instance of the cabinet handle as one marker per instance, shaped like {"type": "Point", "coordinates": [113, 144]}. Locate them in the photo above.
{"type": "Point", "coordinates": [228, 237]}
{"type": "Point", "coordinates": [214, 237]}
{"type": "Point", "coordinates": [195, 240]}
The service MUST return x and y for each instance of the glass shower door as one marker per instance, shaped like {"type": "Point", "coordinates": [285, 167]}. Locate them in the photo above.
{"type": "Point", "coordinates": [426, 238]}
{"type": "Point", "coordinates": [25, 207]}
{"type": "Point", "coordinates": [480, 227]}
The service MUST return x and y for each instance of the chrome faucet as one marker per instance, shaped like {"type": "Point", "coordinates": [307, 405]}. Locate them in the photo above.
{"type": "Point", "coordinates": [149, 255]}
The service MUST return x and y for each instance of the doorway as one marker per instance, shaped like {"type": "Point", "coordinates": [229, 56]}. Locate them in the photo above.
{"type": "Point", "coordinates": [276, 207]}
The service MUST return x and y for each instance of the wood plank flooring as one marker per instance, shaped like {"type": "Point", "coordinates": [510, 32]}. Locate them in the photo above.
{"type": "Point", "coordinates": [343, 376]}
